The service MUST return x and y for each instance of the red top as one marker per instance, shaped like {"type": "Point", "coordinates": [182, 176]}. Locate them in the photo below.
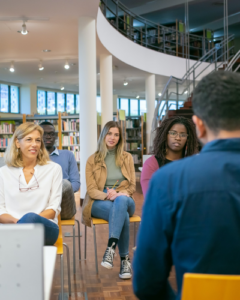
{"type": "Point", "coordinates": [149, 167]}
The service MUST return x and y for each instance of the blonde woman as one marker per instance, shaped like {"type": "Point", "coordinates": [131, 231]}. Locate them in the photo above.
{"type": "Point", "coordinates": [30, 184]}
{"type": "Point", "coordinates": [110, 166]}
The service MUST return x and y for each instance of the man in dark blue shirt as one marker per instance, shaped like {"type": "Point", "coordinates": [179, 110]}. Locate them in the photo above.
{"type": "Point", "coordinates": [71, 177]}
{"type": "Point", "coordinates": [191, 215]}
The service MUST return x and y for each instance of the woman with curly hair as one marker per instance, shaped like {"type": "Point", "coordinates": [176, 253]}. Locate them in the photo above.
{"type": "Point", "coordinates": [175, 139]}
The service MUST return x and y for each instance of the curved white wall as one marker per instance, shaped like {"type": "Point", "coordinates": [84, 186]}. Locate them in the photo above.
{"type": "Point", "coordinates": [140, 57]}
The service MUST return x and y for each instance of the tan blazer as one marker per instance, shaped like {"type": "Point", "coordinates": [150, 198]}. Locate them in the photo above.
{"type": "Point", "coordinates": [96, 176]}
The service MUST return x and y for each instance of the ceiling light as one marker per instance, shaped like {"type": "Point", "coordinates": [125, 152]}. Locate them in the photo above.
{"type": "Point", "coordinates": [66, 65]}
{"type": "Point", "coordinates": [46, 50]}
{"type": "Point", "coordinates": [40, 66]}
{"type": "Point", "coordinates": [159, 94]}
{"type": "Point", "coordinates": [137, 96]}
{"type": "Point", "coordinates": [24, 29]}
{"type": "Point", "coordinates": [125, 83]}
{"type": "Point", "coordinates": [185, 92]}
{"type": "Point", "coordinates": [62, 88]}
{"type": "Point", "coordinates": [12, 67]}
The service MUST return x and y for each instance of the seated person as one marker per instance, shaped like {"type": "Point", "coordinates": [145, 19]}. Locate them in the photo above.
{"type": "Point", "coordinates": [191, 215]}
{"type": "Point", "coordinates": [175, 138]}
{"type": "Point", "coordinates": [110, 166]}
{"type": "Point", "coordinates": [71, 177]}
{"type": "Point", "coordinates": [30, 184]}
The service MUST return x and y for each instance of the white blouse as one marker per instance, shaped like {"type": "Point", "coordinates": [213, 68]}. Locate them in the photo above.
{"type": "Point", "coordinates": [47, 196]}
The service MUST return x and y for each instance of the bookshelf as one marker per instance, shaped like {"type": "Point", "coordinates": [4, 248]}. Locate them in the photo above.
{"type": "Point", "coordinates": [7, 128]}
{"type": "Point", "coordinates": [134, 136]}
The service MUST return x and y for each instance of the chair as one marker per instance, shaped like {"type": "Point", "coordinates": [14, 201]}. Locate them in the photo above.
{"type": "Point", "coordinates": [59, 244]}
{"type": "Point", "coordinates": [134, 219]}
{"type": "Point", "coordinates": [71, 222]}
{"type": "Point", "coordinates": [210, 287]}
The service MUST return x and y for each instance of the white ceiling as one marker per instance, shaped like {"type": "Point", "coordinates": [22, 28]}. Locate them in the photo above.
{"type": "Point", "coordinates": [59, 34]}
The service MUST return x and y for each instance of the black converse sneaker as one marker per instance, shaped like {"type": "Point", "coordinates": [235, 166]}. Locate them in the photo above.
{"type": "Point", "coordinates": [125, 269]}
{"type": "Point", "coordinates": [107, 261]}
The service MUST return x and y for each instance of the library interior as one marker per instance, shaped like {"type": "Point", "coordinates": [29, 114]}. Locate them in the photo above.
{"type": "Point", "coordinates": [109, 90]}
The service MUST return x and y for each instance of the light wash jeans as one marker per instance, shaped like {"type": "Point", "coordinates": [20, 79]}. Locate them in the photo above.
{"type": "Point", "coordinates": [117, 213]}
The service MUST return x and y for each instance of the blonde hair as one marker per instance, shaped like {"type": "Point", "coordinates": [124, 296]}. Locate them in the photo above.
{"type": "Point", "coordinates": [102, 148]}
{"type": "Point", "coordinates": [13, 157]}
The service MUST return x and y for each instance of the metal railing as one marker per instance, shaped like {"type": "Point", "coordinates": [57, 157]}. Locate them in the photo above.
{"type": "Point", "coordinates": [182, 88]}
{"type": "Point", "coordinates": [170, 40]}
{"type": "Point", "coordinates": [232, 62]}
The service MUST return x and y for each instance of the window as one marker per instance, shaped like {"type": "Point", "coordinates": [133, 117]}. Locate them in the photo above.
{"type": "Point", "coordinates": [134, 107]}
{"type": "Point", "coordinates": [4, 98]}
{"type": "Point", "coordinates": [143, 107]}
{"type": "Point", "coordinates": [51, 110]}
{"type": "Point", "coordinates": [41, 102]}
{"type": "Point", "coordinates": [60, 102]}
{"type": "Point", "coordinates": [99, 104]}
{"type": "Point", "coordinates": [172, 105]}
{"type": "Point", "coordinates": [77, 104]}
{"type": "Point", "coordinates": [14, 99]}
{"type": "Point", "coordinates": [124, 105]}
{"type": "Point", "coordinates": [70, 104]}
{"type": "Point", "coordinates": [180, 104]}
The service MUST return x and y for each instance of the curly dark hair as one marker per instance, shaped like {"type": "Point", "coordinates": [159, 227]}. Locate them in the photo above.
{"type": "Point", "coordinates": [160, 140]}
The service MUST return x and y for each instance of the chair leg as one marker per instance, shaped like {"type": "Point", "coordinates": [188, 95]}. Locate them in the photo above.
{"type": "Point", "coordinates": [74, 250]}
{"type": "Point", "coordinates": [134, 234]}
{"type": "Point", "coordinates": [85, 245]}
{"type": "Point", "coordinates": [95, 247]}
{"type": "Point", "coordinates": [62, 278]}
{"type": "Point", "coordinates": [68, 266]}
{"type": "Point", "coordinates": [79, 245]}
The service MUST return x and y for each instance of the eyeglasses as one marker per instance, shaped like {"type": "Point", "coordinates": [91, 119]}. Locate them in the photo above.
{"type": "Point", "coordinates": [31, 188]}
{"type": "Point", "coordinates": [174, 134]}
{"type": "Point", "coordinates": [51, 134]}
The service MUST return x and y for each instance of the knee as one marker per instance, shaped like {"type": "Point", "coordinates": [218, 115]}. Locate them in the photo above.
{"type": "Point", "coordinates": [30, 217]}
{"type": "Point", "coordinates": [122, 199]}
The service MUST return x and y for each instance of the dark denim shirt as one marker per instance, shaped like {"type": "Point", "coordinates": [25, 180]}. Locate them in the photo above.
{"type": "Point", "coordinates": [191, 219]}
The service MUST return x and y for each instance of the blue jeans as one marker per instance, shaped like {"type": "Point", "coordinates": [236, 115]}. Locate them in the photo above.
{"type": "Point", "coordinates": [117, 214]}
{"type": "Point", "coordinates": [51, 229]}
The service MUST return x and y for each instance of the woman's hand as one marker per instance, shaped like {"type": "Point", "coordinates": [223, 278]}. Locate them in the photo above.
{"type": "Point", "coordinates": [117, 195]}
{"type": "Point", "coordinates": [110, 193]}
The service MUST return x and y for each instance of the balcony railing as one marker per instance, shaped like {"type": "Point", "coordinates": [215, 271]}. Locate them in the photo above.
{"type": "Point", "coordinates": [171, 40]}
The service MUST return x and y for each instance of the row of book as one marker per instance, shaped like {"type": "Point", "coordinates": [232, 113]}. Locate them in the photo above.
{"type": "Point", "coordinates": [75, 151]}
{"type": "Point", "coordinates": [132, 146]}
{"type": "Point", "coordinates": [136, 159]}
{"type": "Point", "coordinates": [4, 142]}
{"type": "Point", "coordinates": [71, 139]}
{"type": "Point", "coordinates": [7, 128]}
{"type": "Point", "coordinates": [133, 123]}
{"type": "Point", "coordinates": [133, 134]}
{"type": "Point", "coordinates": [70, 125]}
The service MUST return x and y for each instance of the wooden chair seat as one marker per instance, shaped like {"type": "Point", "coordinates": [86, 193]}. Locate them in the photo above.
{"type": "Point", "coordinates": [133, 219]}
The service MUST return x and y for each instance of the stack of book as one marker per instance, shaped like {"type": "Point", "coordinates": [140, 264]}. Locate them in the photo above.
{"type": "Point", "coordinates": [132, 146]}
{"type": "Point", "coordinates": [7, 128]}
{"type": "Point", "coordinates": [136, 159]}
{"type": "Point", "coordinates": [4, 142]}
{"type": "Point", "coordinates": [70, 125]}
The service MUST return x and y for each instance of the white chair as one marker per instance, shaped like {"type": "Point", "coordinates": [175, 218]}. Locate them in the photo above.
{"type": "Point", "coordinates": [21, 261]}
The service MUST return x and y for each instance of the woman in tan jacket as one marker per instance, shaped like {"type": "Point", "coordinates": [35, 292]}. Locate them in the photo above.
{"type": "Point", "coordinates": [110, 177]}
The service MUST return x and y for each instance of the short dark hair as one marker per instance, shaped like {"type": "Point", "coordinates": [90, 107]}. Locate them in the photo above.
{"type": "Point", "coordinates": [216, 100]}
{"type": "Point", "coordinates": [46, 123]}
{"type": "Point", "coordinates": [160, 140]}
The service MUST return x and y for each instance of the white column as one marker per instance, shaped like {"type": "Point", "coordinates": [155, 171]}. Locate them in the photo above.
{"type": "Point", "coordinates": [115, 99]}
{"type": "Point", "coordinates": [150, 91]}
{"type": "Point", "coordinates": [106, 88]}
{"type": "Point", "coordinates": [87, 92]}
{"type": "Point", "coordinates": [28, 99]}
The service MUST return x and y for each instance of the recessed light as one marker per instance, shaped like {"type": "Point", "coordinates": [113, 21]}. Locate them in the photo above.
{"type": "Point", "coordinates": [125, 83]}
{"type": "Point", "coordinates": [46, 50]}
{"type": "Point", "coordinates": [66, 66]}
{"type": "Point", "coordinates": [137, 96]}
{"type": "Point", "coordinates": [62, 88]}
{"type": "Point", "coordinates": [159, 94]}
{"type": "Point", "coordinates": [40, 66]}
{"type": "Point", "coordinates": [11, 69]}
{"type": "Point", "coordinates": [185, 92]}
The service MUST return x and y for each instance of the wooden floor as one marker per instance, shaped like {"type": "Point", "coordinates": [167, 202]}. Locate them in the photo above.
{"type": "Point", "coordinates": [107, 284]}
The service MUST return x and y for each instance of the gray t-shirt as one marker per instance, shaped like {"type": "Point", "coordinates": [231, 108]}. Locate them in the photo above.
{"type": "Point", "coordinates": [114, 172]}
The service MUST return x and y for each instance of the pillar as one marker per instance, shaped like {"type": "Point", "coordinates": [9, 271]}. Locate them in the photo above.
{"type": "Point", "coordinates": [106, 88]}
{"type": "Point", "coordinates": [115, 105]}
{"type": "Point", "coordinates": [87, 91]}
{"type": "Point", "coordinates": [28, 99]}
{"type": "Point", "coordinates": [150, 91]}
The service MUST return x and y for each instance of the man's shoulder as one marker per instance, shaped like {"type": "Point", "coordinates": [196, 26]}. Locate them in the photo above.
{"type": "Point", "coordinates": [65, 153]}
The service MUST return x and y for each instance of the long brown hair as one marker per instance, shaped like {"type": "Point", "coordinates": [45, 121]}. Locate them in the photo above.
{"type": "Point", "coordinates": [102, 148]}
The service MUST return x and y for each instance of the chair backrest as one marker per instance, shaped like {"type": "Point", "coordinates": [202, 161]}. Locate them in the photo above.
{"type": "Point", "coordinates": [210, 287]}
{"type": "Point", "coordinates": [2, 162]}
{"type": "Point", "coordinates": [21, 261]}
